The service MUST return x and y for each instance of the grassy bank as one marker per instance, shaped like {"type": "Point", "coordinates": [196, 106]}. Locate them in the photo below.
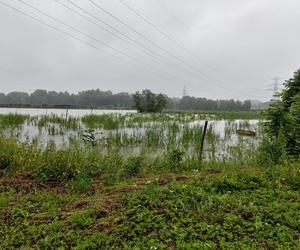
{"type": "Point", "coordinates": [229, 208]}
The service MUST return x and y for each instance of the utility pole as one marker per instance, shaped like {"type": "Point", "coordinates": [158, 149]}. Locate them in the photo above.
{"type": "Point", "coordinates": [275, 87]}
{"type": "Point", "coordinates": [184, 92]}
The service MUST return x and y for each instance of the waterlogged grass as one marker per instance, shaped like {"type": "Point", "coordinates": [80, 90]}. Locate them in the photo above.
{"type": "Point", "coordinates": [221, 115]}
{"type": "Point", "coordinates": [12, 120]}
{"type": "Point", "coordinates": [135, 133]}
{"type": "Point", "coordinates": [65, 122]}
{"type": "Point", "coordinates": [222, 208]}
{"type": "Point", "coordinates": [111, 121]}
{"type": "Point", "coordinates": [114, 121]}
{"type": "Point", "coordinates": [111, 164]}
{"type": "Point", "coordinates": [68, 164]}
{"type": "Point", "coordinates": [100, 145]}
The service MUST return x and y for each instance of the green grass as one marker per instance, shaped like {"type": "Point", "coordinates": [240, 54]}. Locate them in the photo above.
{"type": "Point", "coordinates": [228, 208]}
{"type": "Point", "coordinates": [12, 120]}
{"type": "Point", "coordinates": [223, 115]}
{"type": "Point", "coordinates": [110, 121]}
{"type": "Point", "coordinates": [66, 122]}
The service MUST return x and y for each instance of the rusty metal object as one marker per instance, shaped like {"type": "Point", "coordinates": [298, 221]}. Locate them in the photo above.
{"type": "Point", "coordinates": [246, 132]}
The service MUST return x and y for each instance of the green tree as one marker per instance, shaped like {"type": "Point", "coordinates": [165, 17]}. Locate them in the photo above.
{"type": "Point", "coordinates": [161, 103]}
{"type": "Point", "coordinates": [149, 102]}
{"type": "Point", "coordinates": [283, 119]}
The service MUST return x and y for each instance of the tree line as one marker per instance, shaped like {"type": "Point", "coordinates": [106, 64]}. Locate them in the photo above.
{"type": "Point", "coordinates": [106, 99]}
{"type": "Point", "coordinates": [89, 98]}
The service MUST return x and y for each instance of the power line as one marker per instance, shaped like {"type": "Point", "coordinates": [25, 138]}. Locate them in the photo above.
{"type": "Point", "coordinates": [67, 34]}
{"type": "Point", "coordinates": [110, 26]}
{"type": "Point", "coordinates": [116, 30]}
{"type": "Point", "coordinates": [87, 35]}
{"type": "Point", "coordinates": [137, 44]}
{"type": "Point", "coordinates": [196, 70]}
{"type": "Point", "coordinates": [179, 21]}
{"type": "Point", "coordinates": [142, 35]}
{"type": "Point", "coordinates": [55, 28]}
{"type": "Point", "coordinates": [73, 28]}
{"type": "Point", "coordinates": [168, 36]}
{"type": "Point", "coordinates": [132, 43]}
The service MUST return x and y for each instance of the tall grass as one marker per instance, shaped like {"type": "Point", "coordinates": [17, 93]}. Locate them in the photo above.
{"type": "Point", "coordinates": [12, 120]}
{"type": "Point", "coordinates": [102, 144]}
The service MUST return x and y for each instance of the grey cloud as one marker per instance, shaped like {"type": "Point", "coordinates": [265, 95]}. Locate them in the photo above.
{"type": "Point", "coordinates": [243, 43]}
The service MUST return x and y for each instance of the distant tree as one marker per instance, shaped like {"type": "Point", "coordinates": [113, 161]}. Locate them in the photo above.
{"type": "Point", "coordinates": [192, 103]}
{"type": "Point", "coordinates": [161, 103]}
{"type": "Point", "coordinates": [172, 102]}
{"type": "Point", "coordinates": [145, 101]}
{"type": "Point", "coordinates": [247, 105]}
{"type": "Point", "coordinates": [39, 96]}
{"type": "Point", "coordinates": [138, 102]}
{"type": "Point", "coordinates": [3, 98]}
{"type": "Point", "coordinates": [149, 102]}
{"type": "Point", "coordinates": [17, 97]}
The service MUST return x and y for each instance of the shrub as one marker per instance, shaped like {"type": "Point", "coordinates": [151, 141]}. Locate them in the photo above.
{"type": "Point", "coordinates": [283, 119]}
{"type": "Point", "coordinates": [175, 158]}
{"type": "Point", "coordinates": [132, 166]}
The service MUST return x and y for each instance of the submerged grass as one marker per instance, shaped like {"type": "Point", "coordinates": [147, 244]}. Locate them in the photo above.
{"type": "Point", "coordinates": [132, 133]}
{"type": "Point", "coordinates": [110, 121]}
{"type": "Point", "coordinates": [66, 122]}
{"type": "Point", "coordinates": [12, 120]}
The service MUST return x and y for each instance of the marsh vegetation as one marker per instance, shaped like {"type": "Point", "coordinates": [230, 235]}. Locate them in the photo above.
{"type": "Point", "coordinates": [152, 137]}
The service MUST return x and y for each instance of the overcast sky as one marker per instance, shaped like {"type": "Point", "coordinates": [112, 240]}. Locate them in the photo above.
{"type": "Point", "coordinates": [217, 48]}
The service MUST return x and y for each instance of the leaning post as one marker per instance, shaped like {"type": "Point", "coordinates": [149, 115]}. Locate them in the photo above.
{"type": "Point", "coordinates": [67, 114]}
{"type": "Point", "coordinates": [202, 140]}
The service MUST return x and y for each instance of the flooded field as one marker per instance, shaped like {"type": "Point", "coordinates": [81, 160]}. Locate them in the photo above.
{"type": "Point", "coordinates": [61, 112]}
{"type": "Point", "coordinates": [130, 133]}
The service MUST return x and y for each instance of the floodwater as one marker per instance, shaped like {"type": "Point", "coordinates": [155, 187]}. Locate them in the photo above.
{"type": "Point", "coordinates": [62, 112]}
{"type": "Point", "coordinates": [223, 143]}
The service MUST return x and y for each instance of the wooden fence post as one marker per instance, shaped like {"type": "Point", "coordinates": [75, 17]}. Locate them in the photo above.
{"type": "Point", "coordinates": [202, 140]}
{"type": "Point", "coordinates": [67, 114]}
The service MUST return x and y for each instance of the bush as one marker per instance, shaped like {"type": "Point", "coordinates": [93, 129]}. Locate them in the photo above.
{"type": "Point", "coordinates": [175, 158]}
{"type": "Point", "coordinates": [283, 119]}
{"type": "Point", "coordinates": [59, 165]}
{"type": "Point", "coordinates": [149, 102]}
{"type": "Point", "coordinates": [269, 152]}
